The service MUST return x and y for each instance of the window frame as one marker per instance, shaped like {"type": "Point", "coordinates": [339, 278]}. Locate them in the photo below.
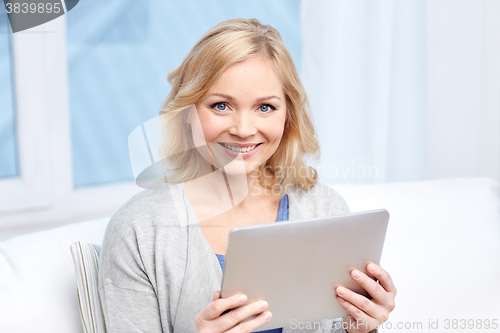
{"type": "Point", "coordinates": [43, 192]}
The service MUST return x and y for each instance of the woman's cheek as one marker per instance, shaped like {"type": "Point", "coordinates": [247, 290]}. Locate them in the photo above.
{"type": "Point", "coordinates": [210, 127]}
{"type": "Point", "coordinates": [275, 132]}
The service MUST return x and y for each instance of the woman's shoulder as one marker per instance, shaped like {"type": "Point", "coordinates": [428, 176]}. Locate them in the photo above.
{"type": "Point", "coordinates": [150, 209]}
{"type": "Point", "coordinates": [319, 200]}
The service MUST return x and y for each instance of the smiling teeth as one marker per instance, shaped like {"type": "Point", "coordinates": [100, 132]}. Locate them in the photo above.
{"type": "Point", "coordinates": [239, 149]}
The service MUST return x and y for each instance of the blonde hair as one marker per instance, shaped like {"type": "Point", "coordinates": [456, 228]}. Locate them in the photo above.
{"type": "Point", "coordinates": [225, 44]}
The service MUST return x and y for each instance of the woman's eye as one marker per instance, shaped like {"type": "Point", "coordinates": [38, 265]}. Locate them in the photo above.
{"type": "Point", "coordinates": [266, 108]}
{"type": "Point", "coordinates": [221, 106]}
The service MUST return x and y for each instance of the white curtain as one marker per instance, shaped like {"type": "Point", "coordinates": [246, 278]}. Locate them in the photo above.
{"type": "Point", "coordinates": [395, 88]}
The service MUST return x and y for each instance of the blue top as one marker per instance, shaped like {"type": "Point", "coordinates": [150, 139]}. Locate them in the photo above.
{"type": "Point", "coordinates": [282, 216]}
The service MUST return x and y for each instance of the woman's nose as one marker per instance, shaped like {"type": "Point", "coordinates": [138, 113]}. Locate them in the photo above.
{"type": "Point", "coordinates": [243, 125]}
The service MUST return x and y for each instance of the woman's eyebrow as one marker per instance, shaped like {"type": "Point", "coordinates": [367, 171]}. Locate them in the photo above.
{"type": "Point", "coordinates": [266, 98]}
{"type": "Point", "coordinates": [230, 98]}
{"type": "Point", "coordinates": [221, 95]}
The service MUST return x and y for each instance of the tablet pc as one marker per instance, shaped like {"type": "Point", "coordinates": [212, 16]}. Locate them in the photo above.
{"type": "Point", "coordinates": [296, 265]}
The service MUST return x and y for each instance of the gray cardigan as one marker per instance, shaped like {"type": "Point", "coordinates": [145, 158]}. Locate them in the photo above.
{"type": "Point", "coordinates": [157, 270]}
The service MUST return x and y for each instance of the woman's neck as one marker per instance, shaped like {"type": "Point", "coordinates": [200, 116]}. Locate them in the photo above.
{"type": "Point", "coordinates": [222, 191]}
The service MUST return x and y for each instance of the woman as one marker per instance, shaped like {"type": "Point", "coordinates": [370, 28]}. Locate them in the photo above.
{"type": "Point", "coordinates": [236, 131]}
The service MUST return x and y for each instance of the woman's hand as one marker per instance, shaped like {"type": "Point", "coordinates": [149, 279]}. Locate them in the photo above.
{"type": "Point", "coordinates": [213, 319]}
{"type": "Point", "coordinates": [367, 314]}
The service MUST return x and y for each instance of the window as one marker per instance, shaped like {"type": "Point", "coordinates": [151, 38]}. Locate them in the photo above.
{"type": "Point", "coordinates": [84, 81]}
{"type": "Point", "coordinates": [8, 135]}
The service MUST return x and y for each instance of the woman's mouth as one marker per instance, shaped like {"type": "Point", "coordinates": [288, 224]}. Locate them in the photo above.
{"type": "Point", "coordinates": [238, 149]}
{"type": "Point", "coordinates": [235, 150]}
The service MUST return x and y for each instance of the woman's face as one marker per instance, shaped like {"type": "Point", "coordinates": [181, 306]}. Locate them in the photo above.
{"type": "Point", "coordinates": [242, 115]}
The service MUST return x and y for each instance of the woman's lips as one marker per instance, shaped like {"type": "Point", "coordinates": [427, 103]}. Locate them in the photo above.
{"type": "Point", "coordinates": [245, 155]}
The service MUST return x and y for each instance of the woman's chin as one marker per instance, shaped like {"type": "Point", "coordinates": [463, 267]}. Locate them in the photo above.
{"type": "Point", "coordinates": [236, 167]}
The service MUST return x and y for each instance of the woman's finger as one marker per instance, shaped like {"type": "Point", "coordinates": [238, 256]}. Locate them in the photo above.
{"type": "Point", "coordinates": [361, 302]}
{"type": "Point", "coordinates": [218, 306]}
{"type": "Point", "coordinates": [355, 311]}
{"type": "Point", "coordinates": [376, 291]}
{"type": "Point", "coordinates": [383, 277]}
{"type": "Point", "coordinates": [238, 315]}
{"type": "Point", "coordinates": [252, 324]}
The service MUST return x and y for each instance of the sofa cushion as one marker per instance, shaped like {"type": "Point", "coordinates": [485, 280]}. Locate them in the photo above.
{"type": "Point", "coordinates": [442, 248]}
{"type": "Point", "coordinates": [37, 279]}
{"type": "Point", "coordinates": [86, 259]}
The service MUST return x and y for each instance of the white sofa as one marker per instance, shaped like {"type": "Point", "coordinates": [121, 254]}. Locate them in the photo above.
{"type": "Point", "coordinates": [442, 250]}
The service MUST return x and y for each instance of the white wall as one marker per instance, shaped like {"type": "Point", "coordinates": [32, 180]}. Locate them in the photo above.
{"type": "Point", "coordinates": [454, 62]}
{"type": "Point", "coordinates": [409, 89]}
{"type": "Point", "coordinates": [489, 156]}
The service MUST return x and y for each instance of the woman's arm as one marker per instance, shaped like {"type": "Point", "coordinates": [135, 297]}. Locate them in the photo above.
{"type": "Point", "coordinates": [128, 310]}
{"type": "Point", "coordinates": [128, 297]}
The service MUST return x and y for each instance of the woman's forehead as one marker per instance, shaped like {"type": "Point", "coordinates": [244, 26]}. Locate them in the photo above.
{"type": "Point", "coordinates": [254, 77]}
